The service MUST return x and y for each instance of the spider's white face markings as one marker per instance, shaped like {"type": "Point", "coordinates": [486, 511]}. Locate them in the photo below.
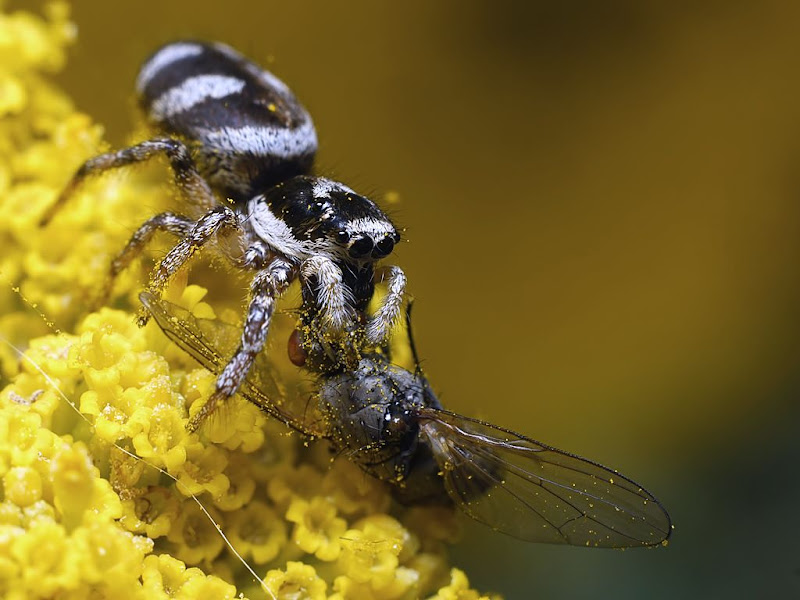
{"type": "Point", "coordinates": [328, 212]}
{"type": "Point", "coordinates": [263, 141]}
{"type": "Point", "coordinates": [167, 55]}
{"type": "Point", "coordinates": [193, 91]}
{"type": "Point", "coordinates": [324, 187]}
{"type": "Point", "coordinates": [375, 228]}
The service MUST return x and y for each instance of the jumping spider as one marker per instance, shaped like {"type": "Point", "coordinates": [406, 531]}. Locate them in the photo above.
{"type": "Point", "coordinates": [234, 131]}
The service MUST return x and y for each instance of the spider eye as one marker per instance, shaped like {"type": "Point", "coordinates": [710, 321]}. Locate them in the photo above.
{"type": "Point", "coordinates": [342, 237]}
{"type": "Point", "coordinates": [361, 247]}
{"type": "Point", "coordinates": [384, 247]}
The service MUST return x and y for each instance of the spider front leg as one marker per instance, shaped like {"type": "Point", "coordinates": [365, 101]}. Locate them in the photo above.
{"type": "Point", "coordinates": [267, 286]}
{"type": "Point", "coordinates": [381, 323]}
{"type": "Point", "coordinates": [201, 232]}
{"type": "Point", "coordinates": [177, 225]}
{"type": "Point", "coordinates": [187, 178]}
{"type": "Point", "coordinates": [330, 337]}
{"type": "Point", "coordinates": [334, 299]}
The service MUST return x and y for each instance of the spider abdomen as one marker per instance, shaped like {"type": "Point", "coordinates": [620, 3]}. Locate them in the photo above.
{"type": "Point", "coordinates": [245, 127]}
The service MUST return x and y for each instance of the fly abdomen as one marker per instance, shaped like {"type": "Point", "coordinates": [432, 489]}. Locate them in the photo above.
{"type": "Point", "coordinates": [246, 128]}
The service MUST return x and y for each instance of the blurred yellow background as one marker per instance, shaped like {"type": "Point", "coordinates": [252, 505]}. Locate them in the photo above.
{"type": "Point", "coordinates": [601, 208]}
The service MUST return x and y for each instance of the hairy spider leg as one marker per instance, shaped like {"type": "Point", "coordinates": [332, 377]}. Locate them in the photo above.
{"type": "Point", "coordinates": [380, 325]}
{"type": "Point", "coordinates": [177, 225]}
{"type": "Point", "coordinates": [335, 299]}
{"type": "Point", "coordinates": [192, 185]}
{"type": "Point", "coordinates": [202, 231]}
{"type": "Point", "coordinates": [267, 286]}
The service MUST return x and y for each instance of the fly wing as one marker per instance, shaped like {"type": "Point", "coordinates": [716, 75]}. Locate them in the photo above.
{"type": "Point", "coordinates": [212, 342]}
{"type": "Point", "coordinates": [537, 493]}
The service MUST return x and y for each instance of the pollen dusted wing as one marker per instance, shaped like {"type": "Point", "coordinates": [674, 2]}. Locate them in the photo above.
{"type": "Point", "coordinates": [212, 342]}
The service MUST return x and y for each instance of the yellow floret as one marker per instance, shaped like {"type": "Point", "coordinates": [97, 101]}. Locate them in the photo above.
{"type": "Point", "coordinates": [153, 513]}
{"type": "Point", "coordinates": [194, 537]}
{"type": "Point", "coordinates": [22, 486]}
{"type": "Point", "coordinates": [458, 589]}
{"type": "Point", "coordinates": [166, 578]}
{"type": "Point", "coordinates": [317, 530]}
{"type": "Point", "coordinates": [371, 549]}
{"type": "Point", "coordinates": [296, 581]}
{"type": "Point", "coordinates": [257, 531]}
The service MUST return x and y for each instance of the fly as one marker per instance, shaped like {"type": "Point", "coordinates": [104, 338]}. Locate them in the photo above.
{"type": "Point", "coordinates": [388, 420]}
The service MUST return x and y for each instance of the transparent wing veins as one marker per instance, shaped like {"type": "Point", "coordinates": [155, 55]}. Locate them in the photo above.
{"type": "Point", "coordinates": [181, 327]}
{"type": "Point", "coordinates": [543, 482]}
{"type": "Point", "coordinates": [538, 493]}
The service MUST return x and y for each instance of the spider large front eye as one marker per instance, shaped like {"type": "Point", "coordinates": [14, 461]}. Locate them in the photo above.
{"type": "Point", "coordinates": [342, 237]}
{"type": "Point", "coordinates": [384, 247]}
{"type": "Point", "coordinates": [361, 247]}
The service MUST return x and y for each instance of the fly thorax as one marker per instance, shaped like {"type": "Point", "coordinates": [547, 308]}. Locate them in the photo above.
{"type": "Point", "coordinates": [370, 410]}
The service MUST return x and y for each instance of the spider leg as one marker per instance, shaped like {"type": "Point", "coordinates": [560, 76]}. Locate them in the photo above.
{"type": "Point", "coordinates": [177, 225]}
{"type": "Point", "coordinates": [334, 298]}
{"type": "Point", "coordinates": [268, 285]}
{"type": "Point", "coordinates": [187, 178]}
{"type": "Point", "coordinates": [381, 323]}
{"type": "Point", "coordinates": [201, 232]}
{"type": "Point", "coordinates": [257, 255]}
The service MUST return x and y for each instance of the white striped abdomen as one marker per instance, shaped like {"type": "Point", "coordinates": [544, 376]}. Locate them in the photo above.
{"type": "Point", "coordinates": [245, 127]}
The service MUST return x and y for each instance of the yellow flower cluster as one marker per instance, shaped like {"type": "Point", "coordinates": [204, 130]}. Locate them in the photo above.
{"type": "Point", "coordinates": [104, 493]}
